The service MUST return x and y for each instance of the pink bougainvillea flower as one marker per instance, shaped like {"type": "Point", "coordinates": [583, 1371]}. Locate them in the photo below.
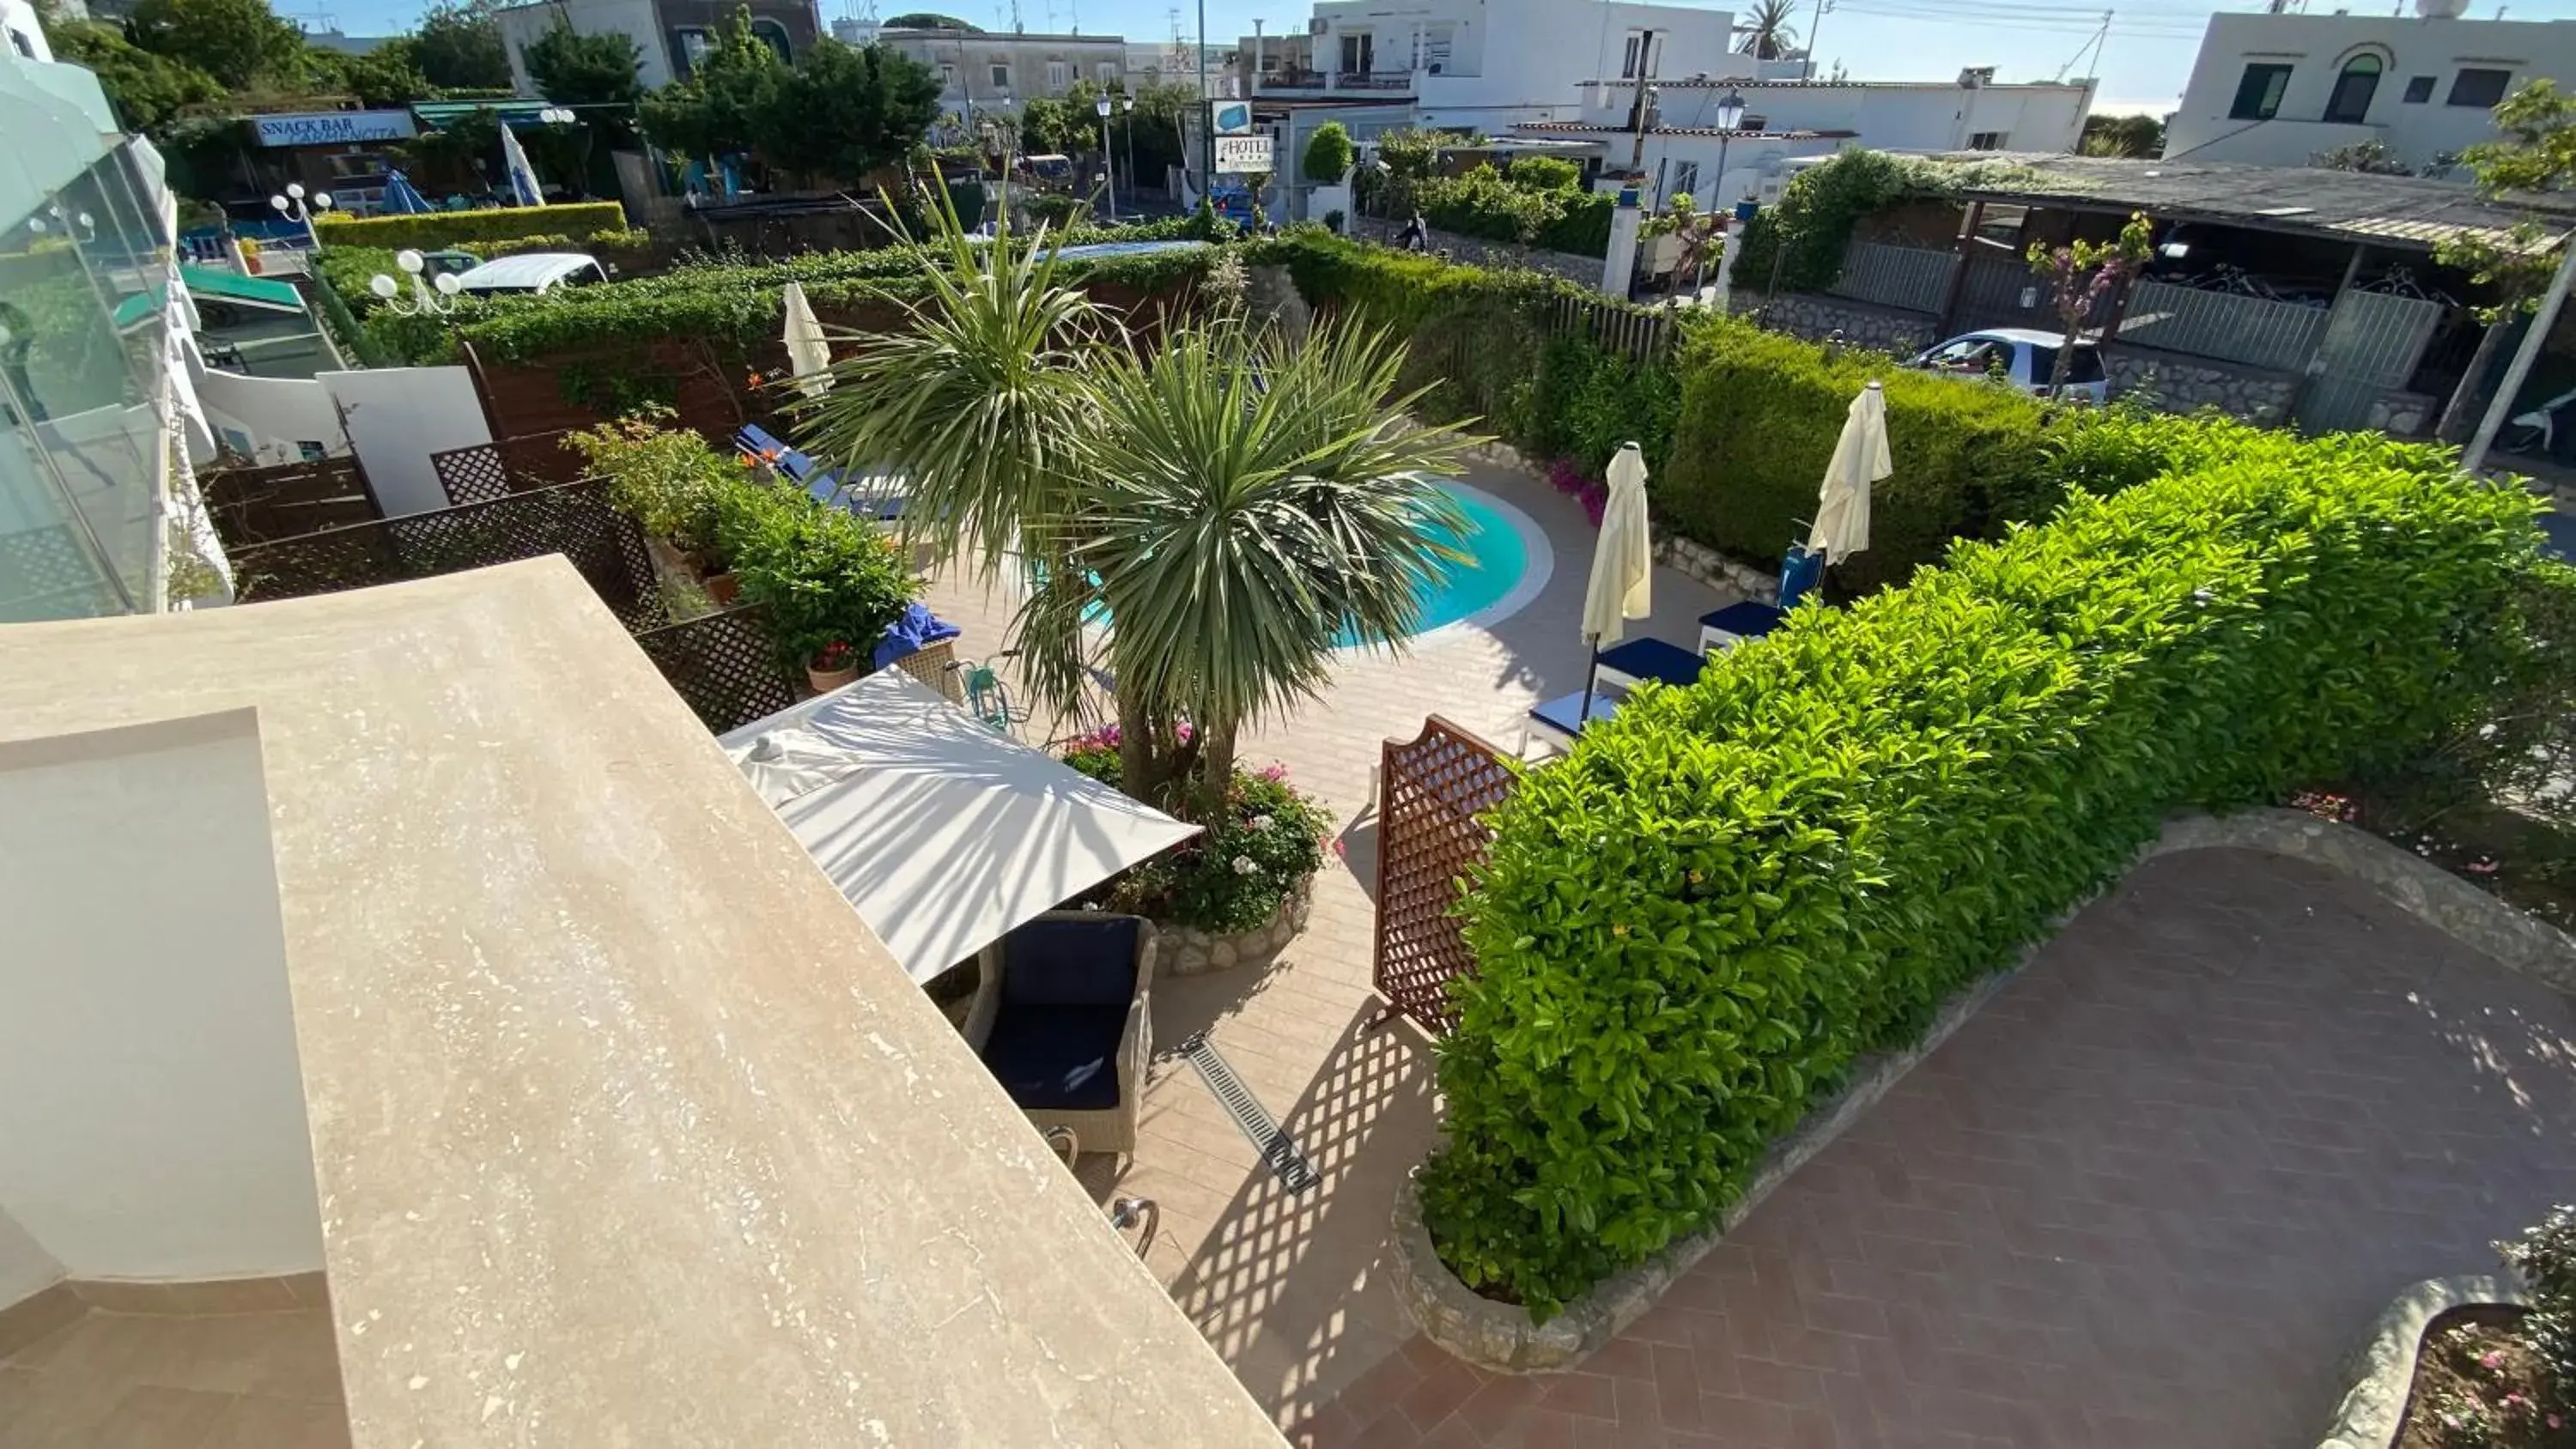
{"type": "Point", "coordinates": [2492, 1358]}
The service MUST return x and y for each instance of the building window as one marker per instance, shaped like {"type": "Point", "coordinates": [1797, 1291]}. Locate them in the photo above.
{"type": "Point", "coordinates": [1632, 59]}
{"type": "Point", "coordinates": [25, 48]}
{"type": "Point", "coordinates": [947, 77]}
{"type": "Point", "coordinates": [1359, 52]}
{"type": "Point", "coordinates": [2353, 89]}
{"type": "Point", "coordinates": [2419, 89]}
{"type": "Point", "coordinates": [1685, 181]}
{"type": "Point", "coordinates": [2258, 95]}
{"type": "Point", "coordinates": [2478, 87]}
{"type": "Point", "coordinates": [1059, 75]}
{"type": "Point", "coordinates": [695, 44]}
{"type": "Point", "coordinates": [1106, 72]}
{"type": "Point", "coordinates": [1987, 141]}
{"type": "Point", "coordinates": [773, 35]}
{"type": "Point", "coordinates": [1001, 76]}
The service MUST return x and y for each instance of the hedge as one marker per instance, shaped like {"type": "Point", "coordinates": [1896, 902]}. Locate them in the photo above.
{"type": "Point", "coordinates": [1483, 204]}
{"type": "Point", "coordinates": [1736, 431]}
{"type": "Point", "coordinates": [431, 231]}
{"type": "Point", "coordinates": [1690, 927]}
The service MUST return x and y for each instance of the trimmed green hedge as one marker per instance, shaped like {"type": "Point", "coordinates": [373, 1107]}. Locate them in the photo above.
{"type": "Point", "coordinates": [433, 230]}
{"type": "Point", "coordinates": [1484, 204]}
{"type": "Point", "coordinates": [1691, 927]}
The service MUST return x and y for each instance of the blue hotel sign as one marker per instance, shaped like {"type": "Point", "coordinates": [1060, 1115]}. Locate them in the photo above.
{"type": "Point", "coordinates": [333, 128]}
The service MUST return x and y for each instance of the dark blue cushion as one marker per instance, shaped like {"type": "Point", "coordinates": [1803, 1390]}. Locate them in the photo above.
{"type": "Point", "coordinates": [1071, 963]}
{"type": "Point", "coordinates": [1655, 659]}
{"type": "Point", "coordinates": [1565, 712]}
{"type": "Point", "coordinates": [1057, 1056]}
{"type": "Point", "coordinates": [1747, 620]}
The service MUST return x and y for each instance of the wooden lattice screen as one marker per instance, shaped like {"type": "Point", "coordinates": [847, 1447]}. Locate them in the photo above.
{"type": "Point", "coordinates": [1433, 792]}
{"type": "Point", "coordinates": [255, 505]}
{"type": "Point", "coordinates": [572, 519]}
{"type": "Point", "coordinates": [725, 665]}
{"type": "Point", "coordinates": [482, 472]}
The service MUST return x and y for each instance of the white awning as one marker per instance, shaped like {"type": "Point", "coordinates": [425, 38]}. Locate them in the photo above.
{"type": "Point", "coordinates": [943, 833]}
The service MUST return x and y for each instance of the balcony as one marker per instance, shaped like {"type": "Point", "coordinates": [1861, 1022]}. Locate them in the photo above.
{"type": "Point", "coordinates": [1298, 81]}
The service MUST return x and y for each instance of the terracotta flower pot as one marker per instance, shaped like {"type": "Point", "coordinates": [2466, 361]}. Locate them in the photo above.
{"type": "Point", "coordinates": [722, 589]}
{"type": "Point", "coordinates": [827, 680]}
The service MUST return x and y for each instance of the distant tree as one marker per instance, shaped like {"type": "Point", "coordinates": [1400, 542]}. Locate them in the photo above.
{"type": "Point", "coordinates": [2535, 152]}
{"type": "Point", "coordinates": [1545, 173]}
{"type": "Point", "coordinates": [1328, 154]}
{"type": "Point", "coordinates": [1060, 124]}
{"type": "Point", "coordinates": [459, 47]}
{"type": "Point", "coordinates": [238, 42]}
{"type": "Point", "coordinates": [717, 110]}
{"type": "Point", "coordinates": [148, 91]}
{"type": "Point", "coordinates": [928, 20]}
{"type": "Point", "coordinates": [585, 70]}
{"type": "Point", "coordinates": [1766, 31]}
{"type": "Point", "coordinates": [385, 76]}
{"type": "Point", "coordinates": [2140, 136]}
{"type": "Point", "coordinates": [844, 112]}
{"type": "Point", "coordinates": [2082, 274]}
{"type": "Point", "coordinates": [2371, 157]}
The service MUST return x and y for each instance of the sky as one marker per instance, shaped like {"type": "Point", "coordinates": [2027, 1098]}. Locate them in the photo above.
{"type": "Point", "coordinates": [2142, 60]}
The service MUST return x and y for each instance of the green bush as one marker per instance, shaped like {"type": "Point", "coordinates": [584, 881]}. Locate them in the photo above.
{"type": "Point", "coordinates": [1689, 928]}
{"type": "Point", "coordinates": [822, 576]}
{"type": "Point", "coordinates": [1329, 154]}
{"type": "Point", "coordinates": [472, 230]}
{"type": "Point", "coordinates": [1232, 877]}
{"type": "Point", "coordinates": [669, 480]}
{"type": "Point", "coordinates": [1483, 204]}
{"type": "Point", "coordinates": [1759, 416]}
{"type": "Point", "coordinates": [1545, 173]}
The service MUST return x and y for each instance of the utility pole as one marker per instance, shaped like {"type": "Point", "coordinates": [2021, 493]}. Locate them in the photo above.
{"type": "Point", "coordinates": [1207, 117]}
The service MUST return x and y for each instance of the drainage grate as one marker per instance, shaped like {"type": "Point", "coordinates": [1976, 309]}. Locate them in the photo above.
{"type": "Point", "coordinates": [1277, 1148]}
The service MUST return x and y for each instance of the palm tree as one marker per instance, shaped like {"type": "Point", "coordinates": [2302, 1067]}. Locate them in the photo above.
{"type": "Point", "coordinates": [1231, 499]}
{"type": "Point", "coordinates": [1766, 31]}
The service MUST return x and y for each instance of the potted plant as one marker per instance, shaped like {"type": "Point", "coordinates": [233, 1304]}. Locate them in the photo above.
{"type": "Point", "coordinates": [668, 480]}
{"type": "Point", "coordinates": [833, 665]}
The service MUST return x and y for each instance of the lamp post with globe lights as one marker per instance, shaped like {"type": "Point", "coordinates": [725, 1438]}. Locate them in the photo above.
{"type": "Point", "coordinates": [1127, 106]}
{"type": "Point", "coordinates": [1100, 108]}
{"type": "Point", "coordinates": [294, 207]}
{"type": "Point", "coordinates": [1730, 114]}
{"type": "Point", "coordinates": [423, 303]}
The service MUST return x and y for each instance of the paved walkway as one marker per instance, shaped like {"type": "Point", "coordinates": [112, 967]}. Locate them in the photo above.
{"type": "Point", "coordinates": [2150, 1196]}
{"type": "Point", "coordinates": [1291, 1288]}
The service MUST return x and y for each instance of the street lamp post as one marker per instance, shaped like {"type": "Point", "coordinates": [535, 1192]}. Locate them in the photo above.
{"type": "Point", "coordinates": [1127, 107]}
{"type": "Point", "coordinates": [1730, 114]}
{"type": "Point", "coordinates": [423, 303]}
{"type": "Point", "coordinates": [293, 208]}
{"type": "Point", "coordinates": [1101, 108]}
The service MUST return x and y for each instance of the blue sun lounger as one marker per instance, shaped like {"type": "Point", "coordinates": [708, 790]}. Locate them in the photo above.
{"type": "Point", "coordinates": [822, 484]}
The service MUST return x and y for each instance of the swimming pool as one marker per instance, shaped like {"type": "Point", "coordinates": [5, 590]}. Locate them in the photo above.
{"type": "Point", "coordinates": [1092, 251]}
{"type": "Point", "coordinates": [1508, 562]}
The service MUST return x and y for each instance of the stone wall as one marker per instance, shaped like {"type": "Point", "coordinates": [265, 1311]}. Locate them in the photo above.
{"type": "Point", "coordinates": [1476, 251]}
{"type": "Point", "coordinates": [2182, 384]}
{"type": "Point", "coordinates": [1862, 324]}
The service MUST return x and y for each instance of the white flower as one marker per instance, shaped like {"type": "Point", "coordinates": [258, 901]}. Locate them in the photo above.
{"type": "Point", "coordinates": [1243, 865]}
{"type": "Point", "coordinates": [1261, 822]}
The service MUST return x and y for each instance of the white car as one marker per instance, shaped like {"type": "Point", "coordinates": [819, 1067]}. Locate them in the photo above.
{"type": "Point", "coordinates": [2022, 356]}
{"type": "Point", "coordinates": [531, 273]}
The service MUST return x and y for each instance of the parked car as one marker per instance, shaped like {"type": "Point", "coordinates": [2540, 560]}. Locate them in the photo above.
{"type": "Point", "coordinates": [531, 273]}
{"type": "Point", "coordinates": [2024, 357]}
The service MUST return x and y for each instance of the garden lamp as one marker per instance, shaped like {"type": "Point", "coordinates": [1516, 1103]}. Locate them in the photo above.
{"type": "Point", "coordinates": [1101, 108]}
{"type": "Point", "coordinates": [1127, 103]}
{"type": "Point", "coordinates": [293, 207]}
{"type": "Point", "coordinates": [422, 303]}
{"type": "Point", "coordinates": [1730, 114]}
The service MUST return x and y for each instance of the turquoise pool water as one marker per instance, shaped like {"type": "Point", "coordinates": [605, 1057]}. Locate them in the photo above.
{"type": "Point", "coordinates": [1497, 560]}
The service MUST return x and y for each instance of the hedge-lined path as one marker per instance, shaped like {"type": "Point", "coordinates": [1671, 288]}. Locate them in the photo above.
{"type": "Point", "coordinates": [2149, 1196]}
{"type": "Point", "coordinates": [1291, 1288]}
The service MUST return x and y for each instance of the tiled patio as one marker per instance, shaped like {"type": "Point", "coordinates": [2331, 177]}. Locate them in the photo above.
{"type": "Point", "coordinates": [1291, 1288]}
{"type": "Point", "coordinates": [2150, 1196]}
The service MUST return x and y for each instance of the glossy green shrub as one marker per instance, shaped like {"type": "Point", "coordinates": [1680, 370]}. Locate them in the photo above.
{"type": "Point", "coordinates": [430, 231]}
{"type": "Point", "coordinates": [1759, 416]}
{"type": "Point", "coordinates": [1690, 927]}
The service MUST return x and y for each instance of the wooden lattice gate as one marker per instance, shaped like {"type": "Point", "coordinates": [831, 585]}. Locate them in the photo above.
{"type": "Point", "coordinates": [1433, 792]}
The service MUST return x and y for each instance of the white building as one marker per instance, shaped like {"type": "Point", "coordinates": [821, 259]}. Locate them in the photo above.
{"type": "Point", "coordinates": [26, 38]}
{"type": "Point", "coordinates": [2276, 90]}
{"type": "Point", "coordinates": [1783, 121]}
{"type": "Point", "coordinates": [1486, 64]}
{"type": "Point", "coordinates": [670, 35]}
{"type": "Point", "coordinates": [997, 70]}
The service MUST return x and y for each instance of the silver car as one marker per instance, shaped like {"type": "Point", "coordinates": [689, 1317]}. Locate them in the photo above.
{"type": "Point", "coordinates": [2024, 357]}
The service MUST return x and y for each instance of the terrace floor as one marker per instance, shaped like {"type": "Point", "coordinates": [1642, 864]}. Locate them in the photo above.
{"type": "Point", "coordinates": [199, 1381]}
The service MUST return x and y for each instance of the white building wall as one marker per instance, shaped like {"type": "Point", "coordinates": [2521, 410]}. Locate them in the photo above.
{"type": "Point", "coordinates": [149, 1086]}
{"type": "Point", "coordinates": [966, 64]}
{"type": "Point", "coordinates": [524, 25]}
{"type": "Point", "coordinates": [22, 35]}
{"type": "Point", "coordinates": [2317, 48]}
{"type": "Point", "coordinates": [1500, 62]}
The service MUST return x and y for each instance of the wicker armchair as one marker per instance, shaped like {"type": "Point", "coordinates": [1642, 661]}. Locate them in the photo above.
{"type": "Point", "coordinates": [936, 666]}
{"type": "Point", "coordinates": [1062, 1018]}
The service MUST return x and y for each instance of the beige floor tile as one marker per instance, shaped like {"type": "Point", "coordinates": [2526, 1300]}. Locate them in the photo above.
{"type": "Point", "coordinates": [148, 1416]}
{"type": "Point", "coordinates": [256, 1421]}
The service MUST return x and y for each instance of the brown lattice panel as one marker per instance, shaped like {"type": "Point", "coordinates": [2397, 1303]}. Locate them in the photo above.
{"type": "Point", "coordinates": [260, 505]}
{"type": "Point", "coordinates": [573, 519]}
{"type": "Point", "coordinates": [1433, 794]}
{"type": "Point", "coordinates": [725, 665]}
{"type": "Point", "coordinates": [473, 474]}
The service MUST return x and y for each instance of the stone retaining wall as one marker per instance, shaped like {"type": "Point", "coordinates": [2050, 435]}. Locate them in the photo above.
{"type": "Point", "coordinates": [1500, 1336]}
{"type": "Point", "coordinates": [1862, 324]}
{"type": "Point", "coordinates": [2383, 1368]}
{"type": "Point", "coordinates": [2183, 384]}
{"type": "Point", "coordinates": [1188, 951]}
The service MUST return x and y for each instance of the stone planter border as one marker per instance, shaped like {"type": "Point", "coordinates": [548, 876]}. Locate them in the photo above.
{"type": "Point", "coordinates": [2383, 1367]}
{"type": "Point", "coordinates": [1500, 1336]}
{"type": "Point", "coordinates": [1189, 951]}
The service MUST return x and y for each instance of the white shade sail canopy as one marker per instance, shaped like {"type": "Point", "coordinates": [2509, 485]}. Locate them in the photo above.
{"type": "Point", "coordinates": [1860, 460]}
{"type": "Point", "coordinates": [942, 833]}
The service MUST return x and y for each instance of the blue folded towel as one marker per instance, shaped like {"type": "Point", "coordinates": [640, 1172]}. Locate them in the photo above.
{"type": "Point", "coordinates": [915, 628]}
